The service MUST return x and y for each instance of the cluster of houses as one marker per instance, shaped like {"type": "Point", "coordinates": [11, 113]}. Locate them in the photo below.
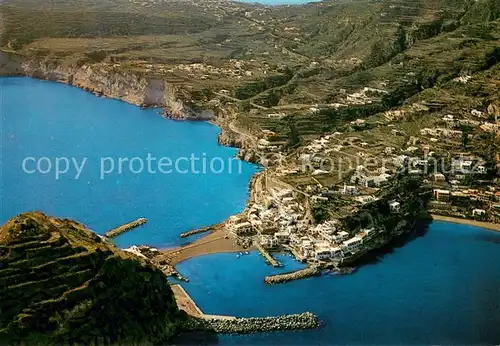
{"type": "Point", "coordinates": [326, 243]}
{"type": "Point", "coordinates": [365, 96]}
{"type": "Point", "coordinates": [280, 223]}
{"type": "Point", "coordinates": [318, 145]}
{"type": "Point", "coordinates": [367, 178]}
{"type": "Point", "coordinates": [276, 219]}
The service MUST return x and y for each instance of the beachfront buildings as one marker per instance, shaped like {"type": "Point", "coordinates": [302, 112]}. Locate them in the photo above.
{"type": "Point", "coordinates": [352, 245]}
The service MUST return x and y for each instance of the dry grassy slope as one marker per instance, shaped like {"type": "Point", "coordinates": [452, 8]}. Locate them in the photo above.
{"type": "Point", "coordinates": [60, 283]}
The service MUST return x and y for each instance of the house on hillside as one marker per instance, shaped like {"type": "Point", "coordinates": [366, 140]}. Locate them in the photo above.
{"type": "Point", "coordinates": [439, 178]}
{"type": "Point", "coordinates": [442, 195]}
{"type": "Point", "coordinates": [353, 244]}
{"type": "Point", "coordinates": [395, 207]}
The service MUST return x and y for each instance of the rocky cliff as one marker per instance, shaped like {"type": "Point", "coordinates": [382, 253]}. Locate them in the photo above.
{"type": "Point", "coordinates": [62, 284]}
{"type": "Point", "coordinates": [130, 87]}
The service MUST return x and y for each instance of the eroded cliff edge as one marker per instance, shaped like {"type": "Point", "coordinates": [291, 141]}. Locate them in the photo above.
{"type": "Point", "coordinates": [141, 90]}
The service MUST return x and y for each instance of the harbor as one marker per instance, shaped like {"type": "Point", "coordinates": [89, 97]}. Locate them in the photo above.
{"type": "Point", "coordinates": [199, 321]}
{"type": "Point", "coordinates": [270, 259]}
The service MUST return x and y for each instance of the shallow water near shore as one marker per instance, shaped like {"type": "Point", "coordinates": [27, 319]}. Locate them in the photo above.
{"type": "Point", "coordinates": [46, 119]}
{"type": "Point", "coordinates": [442, 288]}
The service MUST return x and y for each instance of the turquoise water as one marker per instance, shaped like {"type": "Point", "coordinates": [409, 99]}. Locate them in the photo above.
{"type": "Point", "coordinates": [442, 288]}
{"type": "Point", "coordinates": [45, 119]}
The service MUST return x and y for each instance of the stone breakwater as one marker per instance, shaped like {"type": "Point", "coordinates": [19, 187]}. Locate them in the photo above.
{"type": "Point", "coordinates": [126, 227]}
{"type": "Point", "coordinates": [202, 230]}
{"type": "Point", "coordinates": [296, 275]}
{"type": "Point", "coordinates": [235, 325]}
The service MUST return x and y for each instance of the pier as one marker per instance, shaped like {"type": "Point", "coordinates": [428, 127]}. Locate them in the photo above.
{"type": "Point", "coordinates": [184, 301]}
{"type": "Point", "coordinates": [239, 325]}
{"type": "Point", "coordinates": [296, 275]}
{"type": "Point", "coordinates": [124, 228]}
{"type": "Point", "coordinates": [198, 321]}
{"type": "Point", "coordinates": [267, 255]}
{"type": "Point", "coordinates": [202, 230]}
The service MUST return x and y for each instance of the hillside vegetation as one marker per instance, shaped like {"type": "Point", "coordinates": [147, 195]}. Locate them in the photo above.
{"type": "Point", "coordinates": [62, 284]}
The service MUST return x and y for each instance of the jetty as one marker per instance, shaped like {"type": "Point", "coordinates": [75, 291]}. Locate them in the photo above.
{"type": "Point", "coordinates": [295, 275]}
{"type": "Point", "coordinates": [124, 228]}
{"type": "Point", "coordinates": [240, 325]}
{"type": "Point", "coordinates": [202, 230]}
{"type": "Point", "coordinates": [198, 321]}
{"type": "Point", "coordinates": [267, 255]}
{"type": "Point", "coordinates": [184, 301]}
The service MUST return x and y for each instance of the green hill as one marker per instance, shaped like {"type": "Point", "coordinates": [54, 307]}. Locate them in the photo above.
{"type": "Point", "coordinates": [62, 284]}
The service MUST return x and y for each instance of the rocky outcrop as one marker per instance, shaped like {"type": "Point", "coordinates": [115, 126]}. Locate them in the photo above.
{"type": "Point", "coordinates": [228, 325]}
{"type": "Point", "coordinates": [60, 283]}
{"type": "Point", "coordinates": [247, 147]}
{"type": "Point", "coordinates": [10, 65]}
{"type": "Point", "coordinates": [296, 275]}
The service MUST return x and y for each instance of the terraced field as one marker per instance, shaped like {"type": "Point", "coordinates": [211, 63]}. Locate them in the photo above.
{"type": "Point", "coordinates": [63, 283]}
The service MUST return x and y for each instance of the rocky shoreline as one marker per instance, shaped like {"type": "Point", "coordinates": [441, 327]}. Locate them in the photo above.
{"type": "Point", "coordinates": [234, 325]}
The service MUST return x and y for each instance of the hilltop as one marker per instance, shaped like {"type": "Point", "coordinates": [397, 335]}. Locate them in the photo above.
{"type": "Point", "coordinates": [63, 284]}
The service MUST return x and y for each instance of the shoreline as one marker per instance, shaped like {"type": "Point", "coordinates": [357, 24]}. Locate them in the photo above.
{"type": "Point", "coordinates": [481, 224]}
{"type": "Point", "coordinates": [219, 241]}
{"type": "Point", "coordinates": [216, 242]}
{"type": "Point", "coordinates": [211, 243]}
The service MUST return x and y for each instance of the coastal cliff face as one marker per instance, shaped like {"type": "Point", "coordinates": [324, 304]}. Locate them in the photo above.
{"type": "Point", "coordinates": [60, 283]}
{"type": "Point", "coordinates": [132, 88]}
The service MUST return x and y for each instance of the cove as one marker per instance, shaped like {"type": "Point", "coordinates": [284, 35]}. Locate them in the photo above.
{"type": "Point", "coordinates": [52, 120]}
{"type": "Point", "coordinates": [442, 288]}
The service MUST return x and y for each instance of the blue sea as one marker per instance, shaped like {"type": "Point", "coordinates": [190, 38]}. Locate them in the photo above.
{"type": "Point", "coordinates": [46, 121]}
{"type": "Point", "coordinates": [441, 288]}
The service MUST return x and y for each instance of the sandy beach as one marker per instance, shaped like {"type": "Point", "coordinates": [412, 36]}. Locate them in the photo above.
{"type": "Point", "coordinates": [486, 225]}
{"type": "Point", "coordinates": [215, 242]}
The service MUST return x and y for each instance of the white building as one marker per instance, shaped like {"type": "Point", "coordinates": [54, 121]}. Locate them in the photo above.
{"type": "Point", "coordinates": [242, 228]}
{"type": "Point", "coordinates": [439, 178]}
{"type": "Point", "coordinates": [368, 232]}
{"type": "Point", "coordinates": [478, 212]}
{"type": "Point", "coordinates": [366, 199]}
{"type": "Point", "coordinates": [336, 252]}
{"type": "Point", "coordinates": [395, 207]}
{"type": "Point", "coordinates": [322, 253]}
{"type": "Point", "coordinates": [307, 247]}
{"type": "Point", "coordinates": [350, 190]}
{"type": "Point", "coordinates": [341, 236]}
{"type": "Point", "coordinates": [352, 244]}
{"type": "Point", "coordinates": [282, 237]}
{"type": "Point", "coordinates": [268, 242]}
